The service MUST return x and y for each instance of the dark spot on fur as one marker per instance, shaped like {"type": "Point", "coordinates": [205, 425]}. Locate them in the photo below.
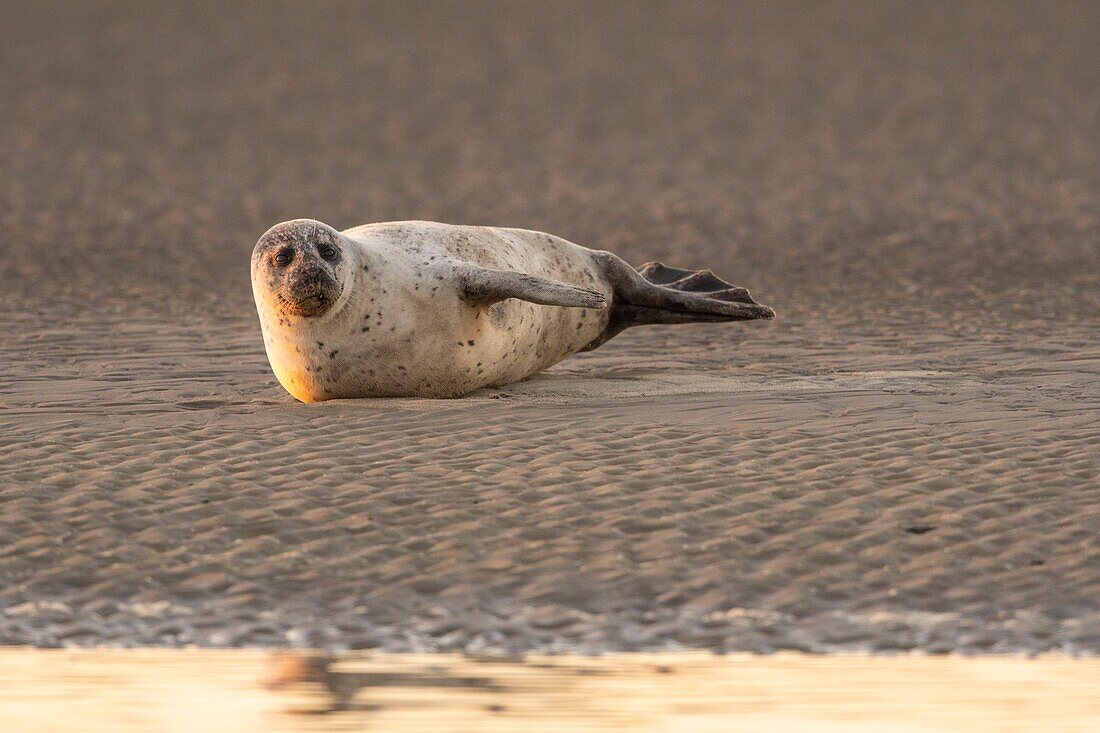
{"type": "Point", "coordinates": [332, 354]}
{"type": "Point", "coordinates": [470, 342]}
{"type": "Point", "coordinates": [320, 344]}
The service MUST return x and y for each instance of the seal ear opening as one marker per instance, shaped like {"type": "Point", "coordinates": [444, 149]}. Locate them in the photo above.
{"type": "Point", "coordinates": [491, 286]}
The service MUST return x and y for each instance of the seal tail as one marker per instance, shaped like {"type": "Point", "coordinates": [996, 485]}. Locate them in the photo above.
{"type": "Point", "coordinates": [703, 282]}
{"type": "Point", "coordinates": [656, 293]}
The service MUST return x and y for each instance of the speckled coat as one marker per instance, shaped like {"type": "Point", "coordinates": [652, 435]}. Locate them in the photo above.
{"type": "Point", "coordinates": [400, 328]}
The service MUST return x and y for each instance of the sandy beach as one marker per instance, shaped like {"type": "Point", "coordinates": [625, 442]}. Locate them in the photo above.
{"type": "Point", "coordinates": [907, 458]}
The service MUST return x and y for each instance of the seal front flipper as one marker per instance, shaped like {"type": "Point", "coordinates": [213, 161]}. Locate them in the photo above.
{"type": "Point", "coordinates": [480, 283]}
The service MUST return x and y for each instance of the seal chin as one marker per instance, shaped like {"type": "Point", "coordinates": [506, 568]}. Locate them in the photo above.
{"type": "Point", "coordinates": [313, 305]}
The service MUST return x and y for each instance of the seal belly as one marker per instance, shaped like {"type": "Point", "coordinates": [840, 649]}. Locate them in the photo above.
{"type": "Point", "coordinates": [294, 370]}
{"type": "Point", "coordinates": [523, 338]}
{"type": "Point", "coordinates": [492, 344]}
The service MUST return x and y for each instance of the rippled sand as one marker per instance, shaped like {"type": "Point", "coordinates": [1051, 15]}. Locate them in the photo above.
{"type": "Point", "coordinates": [738, 495]}
{"type": "Point", "coordinates": [907, 458]}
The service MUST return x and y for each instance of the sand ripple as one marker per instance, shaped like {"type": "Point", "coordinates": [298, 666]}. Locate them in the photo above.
{"type": "Point", "coordinates": [159, 488]}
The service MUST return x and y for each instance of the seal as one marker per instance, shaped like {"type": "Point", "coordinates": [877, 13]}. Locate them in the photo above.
{"type": "Point", "coordinates": [422, 309]}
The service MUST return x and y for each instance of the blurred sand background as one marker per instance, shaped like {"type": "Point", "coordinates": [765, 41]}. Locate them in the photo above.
{"type": "Point", "coordinates": [908, 458]}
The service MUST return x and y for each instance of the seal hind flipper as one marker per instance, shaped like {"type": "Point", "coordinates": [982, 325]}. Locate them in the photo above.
{"type": "Point", "coordinates": [480, 283]}
{"type": "Point", "coordinates": [656, 293]}
{"type": "Point", "coordinates": [694, 281]}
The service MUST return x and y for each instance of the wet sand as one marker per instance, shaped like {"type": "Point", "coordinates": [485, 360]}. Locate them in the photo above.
{"type": "Point", "coordinates": [249, 690]}
{"type": "Point", "coordinates": [907, 458]}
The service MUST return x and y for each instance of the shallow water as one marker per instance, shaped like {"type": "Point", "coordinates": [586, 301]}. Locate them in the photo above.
{"type": "Point", "coordinates": [243, 691]}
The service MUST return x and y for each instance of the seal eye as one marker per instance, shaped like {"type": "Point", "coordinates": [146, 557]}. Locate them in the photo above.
{"type": "Point", "coordinates": [328, 252]}
{"type": "Point", "coordinates": [284, 256]}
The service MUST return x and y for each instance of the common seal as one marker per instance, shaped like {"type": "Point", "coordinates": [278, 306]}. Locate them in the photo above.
{"type": "Point", "coordinates": [417, 308]}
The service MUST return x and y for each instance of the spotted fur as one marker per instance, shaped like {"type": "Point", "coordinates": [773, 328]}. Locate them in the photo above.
{"type": "Point", "coordinates": [398, 326]}
{"type": "Point", "coordinates": [391, 315]}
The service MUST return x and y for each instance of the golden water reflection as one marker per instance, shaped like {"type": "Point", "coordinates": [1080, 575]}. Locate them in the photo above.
{"type": "Point", "coordinates": [251, 690]}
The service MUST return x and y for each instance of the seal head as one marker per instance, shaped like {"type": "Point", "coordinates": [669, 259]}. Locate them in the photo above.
{"type": "Point", "coordinates": [298, 267]}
